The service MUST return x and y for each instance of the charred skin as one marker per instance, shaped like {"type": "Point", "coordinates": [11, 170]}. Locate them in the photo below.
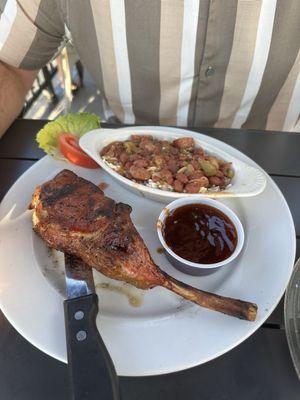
{"type": "Point", "coordinates": [73, 215]}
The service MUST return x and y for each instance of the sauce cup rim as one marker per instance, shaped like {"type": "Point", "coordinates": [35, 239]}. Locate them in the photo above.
{"type": "Point", "coordinates": [215, 204]}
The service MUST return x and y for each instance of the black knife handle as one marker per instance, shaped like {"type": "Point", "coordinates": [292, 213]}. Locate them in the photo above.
{"type": "Point", "coordinates": [92, 373]}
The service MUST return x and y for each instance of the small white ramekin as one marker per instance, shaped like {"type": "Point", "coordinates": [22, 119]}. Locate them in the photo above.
{"type": "Point", "coordinates": [190, 267]}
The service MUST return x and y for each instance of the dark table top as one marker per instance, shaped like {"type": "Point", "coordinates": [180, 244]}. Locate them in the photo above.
{"type": "Point", "coordinates": [259, 368]}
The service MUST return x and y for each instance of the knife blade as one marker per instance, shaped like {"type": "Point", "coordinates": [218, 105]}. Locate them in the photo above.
{"type": "Point", "coordinates": [79, 277]}
{"type": "Point", "coordinates": [91, 369]}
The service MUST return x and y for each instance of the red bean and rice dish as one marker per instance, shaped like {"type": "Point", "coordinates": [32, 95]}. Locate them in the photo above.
{"type": "Point", "coordinates": [176, 165]}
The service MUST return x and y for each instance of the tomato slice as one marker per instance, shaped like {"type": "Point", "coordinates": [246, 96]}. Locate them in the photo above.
{"type": "Point", "coordinates": [69, 147]}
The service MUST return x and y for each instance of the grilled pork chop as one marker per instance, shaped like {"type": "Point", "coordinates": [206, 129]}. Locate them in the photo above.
{"type": "Point", "coordinates": [74, 216]}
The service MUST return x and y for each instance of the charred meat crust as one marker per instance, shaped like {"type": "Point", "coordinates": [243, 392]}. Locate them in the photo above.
{"type": "Point", "coordinates": [73, 215]}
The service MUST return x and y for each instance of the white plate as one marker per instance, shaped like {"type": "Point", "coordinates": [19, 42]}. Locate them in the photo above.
{"type": "Point", "coordinates": [247, 181]}
{"type": "Point", "coordinates": [165, 333]}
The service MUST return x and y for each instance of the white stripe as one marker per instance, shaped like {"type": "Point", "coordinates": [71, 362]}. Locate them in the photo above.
{"type": "Point", "coordinates": [108, 113]}
{"type": "Point", "coordinates": [117, 10]}
{"type": "Point", "coordinates": [7, 19]}
{"type": "Point", "coordinates": [293, 111]}
{"type": "Point", "coordinates": [189, 34]}
{"type": "Point", "coordinates": [261, 52]}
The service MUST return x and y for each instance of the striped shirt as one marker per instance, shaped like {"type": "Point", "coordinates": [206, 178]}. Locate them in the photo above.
{"type": "Point", "coordinates": [232, 63]}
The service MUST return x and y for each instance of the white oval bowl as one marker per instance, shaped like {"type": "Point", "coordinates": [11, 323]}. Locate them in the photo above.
{"type": "Point", "coordinates": [190, 267]}
{"type": "Point", "coordinates": [247, 181]}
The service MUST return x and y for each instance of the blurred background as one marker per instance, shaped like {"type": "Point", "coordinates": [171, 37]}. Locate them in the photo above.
{"type": "Point", "coordinates": [63, 85]}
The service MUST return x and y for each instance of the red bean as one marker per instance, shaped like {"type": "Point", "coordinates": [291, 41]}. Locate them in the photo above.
{"type": "Point", "coordinates": [128, 175]}
{"type": "Point", "coordinates": [134, 157]}
{"type": "Point", "coordinates": [141, 163]}
{"type": "Point", "coordinates": [127, 165]}
{"type": "Point", "coordinates": [157, 149]}
{"type": "Point", "coordinates": [173, 150]}
{"type": "Point", "coordinates": [178, 186]}
{"type": "Point", "coordinates": [196, 175]}
{"type": "Point", "coordinates": [124, 157]}
{"type": "Point", "coordinates": [192, 187]}
{"type": "Point", "coordinates": [118, 149]}
{"type": "Point", "coordinates": [105, 150]}
{"type": "Point", "coordinates": [158, 160]}
{"type": "Point", "coordinates": [184, 143]}
{"type": "Point", "coordinates": [155, 178]}
{"type": "Point", "coordinates": [199, 152]}
{"type": "Point", "coordinates": [136, 138]}
{"type": "Point", "coordinates": [146, 138]}
{"type": "Point", "coordinates": [141, 174]}
{"type": "Point", "coordinates": [215, 181]}
{"type": "Point", "coordinates": [181, 177]}
{"type": "Point", "coordinates": [166, 175]}
{"type": "Point", "coordinates": [148, 146]}
{"type": "Point", "coordinates": [172, 166]}
{"type": "Point", "coordinates": [165, 143]}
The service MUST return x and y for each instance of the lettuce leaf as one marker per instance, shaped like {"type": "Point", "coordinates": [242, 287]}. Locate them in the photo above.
{"type": "Point", "coordinates": [77, 124]}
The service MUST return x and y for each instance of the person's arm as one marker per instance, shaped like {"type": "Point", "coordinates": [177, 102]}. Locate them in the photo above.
{"type": "Point", "coordinates": [30, 35]}
{"type": "Point", "coordinates": [14, 85]}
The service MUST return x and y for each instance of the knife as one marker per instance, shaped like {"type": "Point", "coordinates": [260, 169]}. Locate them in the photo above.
{"type": "Point", "coordinates": [92, 372]}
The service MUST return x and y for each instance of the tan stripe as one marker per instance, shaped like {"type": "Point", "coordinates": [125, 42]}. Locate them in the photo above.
{"type": "Point", "coordinates": [102, 21]}
{"type": "Point", "coordinates": [48, 37]}
{"type": "Point", "coordinates": [218, 46]}
{"type": "Point", "coordinates": [171, 23]}
{"type": "Point", "coordinates": [83, 33]}
{"type": "Point", "coordinates": [142, 31]}
{"type": "Point", "coordinates": [200, 44]}
{"type": "Point", "coordinates": [280, 106]}
{"type": "Point", "coordinates": [21, 35]}
{"type": "Point", "coordinates": [285, 41]}
{"type": "Point", "coordinates": [240, 60]}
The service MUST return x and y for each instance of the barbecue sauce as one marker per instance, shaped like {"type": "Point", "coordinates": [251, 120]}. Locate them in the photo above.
{"type": "Point", "coordinates": [200, 233]}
